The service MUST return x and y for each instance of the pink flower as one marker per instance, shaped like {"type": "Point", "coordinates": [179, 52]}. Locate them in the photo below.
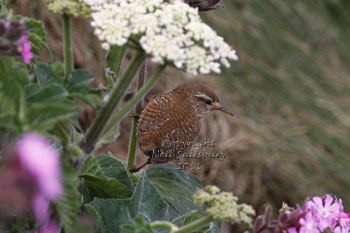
{"type": "Point", "coordinates": [31, 179]}
{"type": "Point", "coordinates": [309, 224]}
{"type": "Point", "coordinates": [327, 212]}
{"type": "Point", "coordinates": [49, 227]}
{"type": "Point", "coordinates": [25, 50]}
{"type": "Point", "coordinates": [292, 230]}
{"type": "Point", "coordinates": [344, 219]}
{"type": "Point", "coordinates": [42, 161]}
{"type": "Point", "coordinates": [41, 208]}
{"type": "Point", "coordinates": [345, 229]}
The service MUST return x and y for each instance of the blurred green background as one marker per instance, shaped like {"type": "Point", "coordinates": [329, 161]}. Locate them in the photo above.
{"type": "Point", "coordinates": [290, 92]}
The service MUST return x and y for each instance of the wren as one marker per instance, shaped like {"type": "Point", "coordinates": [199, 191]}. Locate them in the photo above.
{"type": "Point", "coordinates": [174, 116]}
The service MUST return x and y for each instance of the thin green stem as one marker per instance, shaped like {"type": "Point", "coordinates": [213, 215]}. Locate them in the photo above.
{"type": "Point", "coordinates": [101, 123]}
{"type": "Point", "coordinates": [194, 225]}
{"type": "Point", "coordinates": [143, 91]}
{"type": "Point", "coordinates": [133, 141]}
{"type": "Point", "coordinates": [159, 224]}
{"type": "Point", "coordinates": [68, 51]}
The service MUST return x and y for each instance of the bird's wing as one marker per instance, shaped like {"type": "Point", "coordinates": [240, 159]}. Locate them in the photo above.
{"type": "Point", "coordinates": [159, 122]}
{"type": "Point", "coordinates": [184, 131]}
{"type": "Point", "coordinates": [154, 115]}
{"type": "Point", "coordinates": [177, 139]}
{"type": "Point", "coordinates": [151, 120]}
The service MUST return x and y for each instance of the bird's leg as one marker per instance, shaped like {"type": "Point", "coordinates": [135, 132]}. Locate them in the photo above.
{"type": "Point", "coordinates": [136, 169]}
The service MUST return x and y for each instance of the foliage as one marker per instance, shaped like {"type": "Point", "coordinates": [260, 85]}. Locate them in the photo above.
{"type": "Point", "coordinates": [69, 206]}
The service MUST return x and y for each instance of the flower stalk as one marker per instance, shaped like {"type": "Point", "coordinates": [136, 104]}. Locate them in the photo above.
{"type": "Point", "coordinates": [194, 225]}
{"type": "Point", "coordinates": [102, 122]}
{"type": "Point", "coordinates": [159, 224]}
{"type": "Point", "coordinates": [143, 91]}
{"type": "Point", "coordinates": [133, 141]}
{"type": "Point", "coordinates": [68, 51]}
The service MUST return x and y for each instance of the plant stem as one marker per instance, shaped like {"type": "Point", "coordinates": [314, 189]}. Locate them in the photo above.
{"type": "Point", "coordinates": [133, 141]}
{"type": "Point", "coordinates": [68, 52]}
{"type": "Point", "coordinates": [143, 91]}
{"type": "Point", "coordinates": [98, 128]}
{"type": "Point", "coordinates": [159, 224]}
{"type": "Point", "coordinates": [194, 225]}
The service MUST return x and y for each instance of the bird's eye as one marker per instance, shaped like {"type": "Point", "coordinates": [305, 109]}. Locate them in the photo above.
{"type": "Point", "coordinates": [208, 102]}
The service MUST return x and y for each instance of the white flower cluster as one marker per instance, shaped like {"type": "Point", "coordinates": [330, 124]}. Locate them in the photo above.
{"type": "Point", "coordinates": [169, 30]}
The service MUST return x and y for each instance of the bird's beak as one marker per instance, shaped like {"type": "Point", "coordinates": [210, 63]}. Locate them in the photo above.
{"type": "Point", "coordinates": [222, 109]}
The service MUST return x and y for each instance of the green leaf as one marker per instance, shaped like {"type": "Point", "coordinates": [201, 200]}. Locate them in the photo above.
{"type": "Point", "coordinates": [79, 81]}
{"type": "Point", "coordinates": [11, 70]}
{"type": "Point", "coordinates": [8, 114]}
{"type": "Point", "coordinates": [105, 187]}
{"type": "Point", "coordinates": [150, 202]}
{"type": "Point", "coordinates": [52, 93]}
{"type": "Point", "coordinates": [114, 168]}
{"type": "Point", "coordinates": [46, 75]}
{"type": "Point", "coordinates": [91, 99]}
{"type": "Point", "coordinates": [114, 61]}
{"type": "Point", "coordinates": [36, 43]}
{"type": "Point", "coordinates": [69, 206]}
{"type": "Point", "coordinates": [175, 186]}
{"type": "Point", "coordinates": [78, 87]}
{"type": "Point", "coordinates": [106, 177]}
{"type": "Point", "coordinates": [45, 116]}
{"type": "Point", "coordinates": [58, 69]}
{"type": "Point", "coordinates": [91, 167]}
{"type": "Point", "coordinates": [138, 225]}
{"type": "Point", "coordinates": [145, 202]}
{"type": "Point", "coordinates": [38, 36]}
{"type": "Point", "coordinates": [7, 107]}
{"type": "Point", "coordinates": [12, 106]}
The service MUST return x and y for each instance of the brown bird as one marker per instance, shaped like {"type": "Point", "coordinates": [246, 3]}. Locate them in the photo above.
{"type": "Point", "coordinates": [174, 116]}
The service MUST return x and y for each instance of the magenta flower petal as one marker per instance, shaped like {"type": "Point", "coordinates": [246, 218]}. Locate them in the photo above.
{"type": "Point", "coordinates": [40, 208]}
{"type": "Point", "coordinates": [318, 202]}
{"type": "Point", "coordinates": [340, 203]}
{"type": "Point", "coordinates": [328, 201]}
{"type": "Point", "coordinates": [309, 224]}
{"type": "Point", "coordinates": [334, 208]}
{"type": "Point", "coordinates": [292, 230]}
{"type": "Point", "coordinates": [42, 161]}
{"type": "Point", "coordinates": [49, 227]}
{"type": "Point", "coordinates": [344, 219]}
{"type": "Point", "coordinates": [310, 205]}
{"type": "Point", "coordinates": [25, 50]}
{"type": "Point", "coordinates": [345, 229]}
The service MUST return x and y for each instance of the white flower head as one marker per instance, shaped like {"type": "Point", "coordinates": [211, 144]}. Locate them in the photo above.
{"type": "Point", "coordinates": [170, 31]}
